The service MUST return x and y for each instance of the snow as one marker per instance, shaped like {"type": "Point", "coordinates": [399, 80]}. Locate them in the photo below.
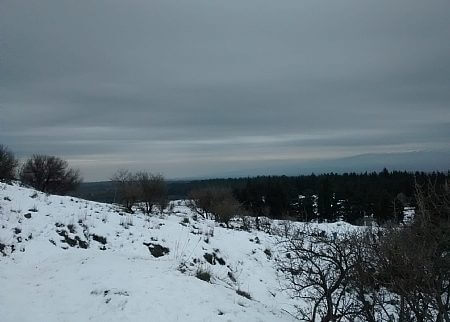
{"type": "Point", "coordinates": [43, 278]}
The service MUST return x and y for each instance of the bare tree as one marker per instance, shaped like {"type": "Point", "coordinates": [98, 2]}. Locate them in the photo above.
{"type": "Point", "coordinates": [153, 191]}
{"type": "Point", "coordinates": [397, 273]}
{"type": "Point", "coordinates": [49, 174]}
{"type": "Point", "coordinates": [414, 260]}
{"type": "Point", "coordinates": [8, 164]}
{"type": "Point", "coordinates": [224, 205]}
{"type": "Point", "coordinates": [217, 202]}
{"type": "Point", "coordinates": [201, 200]}
{"type": "Point", "coordinates": [406, 269]}
{"type": "Point", "coordinates": [374, 302]}
{"type": "Point", "coordinates": [318, 269]}
{"type": "Point", "coordinates": [127, 188]}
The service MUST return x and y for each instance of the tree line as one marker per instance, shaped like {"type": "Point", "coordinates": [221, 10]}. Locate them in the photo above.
{"type": "Point", "coordinates": [351, 197]}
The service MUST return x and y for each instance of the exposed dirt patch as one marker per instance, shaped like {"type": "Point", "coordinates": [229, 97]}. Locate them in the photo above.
{"type": "Point", "coordinates": [213, 259]}
{"type": "Point", "coordinates": [72, 242]}
{"type": "Point", "coordinates": [157, 250]}
{"type": "Point", "coordinates": [99, 239]}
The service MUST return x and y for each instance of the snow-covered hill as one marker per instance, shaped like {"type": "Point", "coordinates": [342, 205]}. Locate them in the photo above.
{"type": "Point", "coordinates": [67, 259]}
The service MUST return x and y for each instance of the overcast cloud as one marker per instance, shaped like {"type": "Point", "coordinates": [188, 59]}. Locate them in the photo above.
{"type": "Point", "coordinates": [202, 87]}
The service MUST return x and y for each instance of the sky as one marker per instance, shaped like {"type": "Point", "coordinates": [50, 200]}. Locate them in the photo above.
{"type": "Point", "coordinates": [212, 87]}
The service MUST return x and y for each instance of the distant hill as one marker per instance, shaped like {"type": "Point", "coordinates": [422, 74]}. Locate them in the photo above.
{"type": "Point", "coordinates": [98, 191]}
{"type": "Point", "coordinates": [427, 161]}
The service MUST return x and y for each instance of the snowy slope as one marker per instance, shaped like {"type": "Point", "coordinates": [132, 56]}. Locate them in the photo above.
{"type": "Point", "coordinates": [55, 267]}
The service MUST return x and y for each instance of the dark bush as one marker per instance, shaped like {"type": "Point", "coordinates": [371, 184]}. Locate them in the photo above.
{"type": "Point", "coordinates": [8, 164]}
{"type": "Point", "coordinates": [399, 273]}
{"type": "Point", "coordinates": [203, 275]}
{"type": "Point", "coordinates": [152, 191]}
{"type": "Point", "coordinates": [49, 174]}
{"type": "Point", "coordinates": [216, 201]}
{"type": "Point", "coordinates": [414, 261]}
{"type": "Point", "coordinates": [144, 187]}
{"type": "Point", "coordinates": [99, 239]}
{"type": "Point", "coordinates": [127, 188]}
{"type": "Point", "coordinates": [244, 294]}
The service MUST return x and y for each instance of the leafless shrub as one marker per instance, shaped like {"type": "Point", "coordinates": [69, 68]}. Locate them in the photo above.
{"type": "Point", "coordinates": [225, 206]}
{"type": "Point", "coordinates": [201, 201]}
{"type": "Point", "coordinates": [203, 274]}
{"type": "Point", "coordinates": [317, 268]}
{"type": "Point", "coordinates": [153, 191]}
{"type": "Point", "coordinates": [147, 188]}
{"type": "Point", "coordinates": [127, 188]}
{"type": "Point", "coordinates": [413, 261]}
{"type": "Point", "coordinates": [49, 174]}
{"type": "Point", "coordinates": [126, 221]}
{"type": "Point", "coordinates": [373, 302]}
{"type": "Point", "coordinates": [393, 273]}
{"type": "Point", "coordinates": [216, 201]}
{"type": "Point", "coordinates": [246, 223]}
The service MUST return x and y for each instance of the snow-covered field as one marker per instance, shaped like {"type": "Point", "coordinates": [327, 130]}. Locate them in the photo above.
{"type": "Point", "coordinates": [68, 259]}
{"type": "Point", "coordinates": [56, 266]}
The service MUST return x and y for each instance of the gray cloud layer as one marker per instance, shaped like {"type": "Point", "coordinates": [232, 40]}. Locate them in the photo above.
{"type": "Point", "coordinates": [203, 86]}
